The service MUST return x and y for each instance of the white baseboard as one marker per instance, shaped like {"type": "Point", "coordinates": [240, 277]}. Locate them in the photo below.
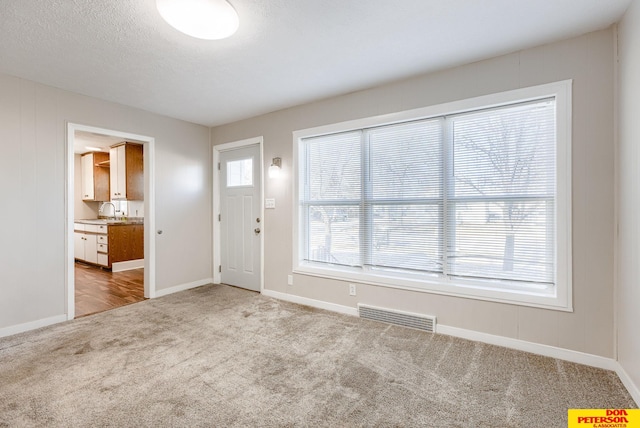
{"type": "Point", "coordinates": [183, 287]}
{"type": "Point", "coordinates": [311, 302]}
{"type": "Point", "coordinates": [521, 345]}
{"type": "Point", "coordinates": [127, 265]}
{"type": "Point", "coordinates": [534, 348]}
{"type": "Point", "coordinates": [21, 328]}
{"type": "Point", "coordinates": [633, 389]}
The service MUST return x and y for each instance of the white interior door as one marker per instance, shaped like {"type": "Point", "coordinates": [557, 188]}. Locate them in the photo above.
{"type": "Point", "coordinates": [240, 222]}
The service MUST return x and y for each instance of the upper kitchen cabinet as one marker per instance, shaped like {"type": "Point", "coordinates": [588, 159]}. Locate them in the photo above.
{"type": "Point", "coordinates": [127, 173]}
{"type": "Point", "coordinates": [95, 176]}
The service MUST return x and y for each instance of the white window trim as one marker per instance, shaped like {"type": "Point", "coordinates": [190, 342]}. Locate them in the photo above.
{"type": "Point", "coordinates": [561, 300]}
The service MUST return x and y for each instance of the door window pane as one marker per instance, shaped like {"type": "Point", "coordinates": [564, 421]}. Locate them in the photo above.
{"type": "Point", "coordinates": [240, 173]}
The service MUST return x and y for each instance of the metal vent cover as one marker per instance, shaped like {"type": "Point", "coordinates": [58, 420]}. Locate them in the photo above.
{"type": "Point", "coordinates": [405, 319]}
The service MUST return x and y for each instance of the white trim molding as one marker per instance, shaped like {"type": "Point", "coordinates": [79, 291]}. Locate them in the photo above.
{"type": "Point", "coordinates": [149, 209]}
{"type": "Point", "coordinates": [634, 390]}
{"type": "Point", "coordinates": [127, 265]}
{"type": "Point", "coordinates": [534, 348]}
{"type": "Point", "coordinates": [347, 310]}
{"type": "Point", "coordinates": [517, 344]}
{"type": "Point", "coordinates": [548, 351]}
{"type": "Point", "coordinates": [21, 328]}
{"type": "Point", "coordinates": [183, 287]}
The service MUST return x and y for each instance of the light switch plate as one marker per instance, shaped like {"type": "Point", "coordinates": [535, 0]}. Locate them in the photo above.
{"type": "Point", "coordinates": [269, 203]}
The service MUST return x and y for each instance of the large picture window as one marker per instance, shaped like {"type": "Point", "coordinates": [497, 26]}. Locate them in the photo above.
{"type": "Point", "coordinates": [462, 202]}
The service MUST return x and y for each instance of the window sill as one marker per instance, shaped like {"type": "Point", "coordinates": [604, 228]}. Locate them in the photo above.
{"type": "Point", "coordinates": [492, 291]}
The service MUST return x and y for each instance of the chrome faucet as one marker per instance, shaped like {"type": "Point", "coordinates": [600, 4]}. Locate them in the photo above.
{"type": "Point", "coordinates": [114, 208]}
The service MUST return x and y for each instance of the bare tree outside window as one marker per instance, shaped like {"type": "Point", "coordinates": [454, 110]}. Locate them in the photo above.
{"type": "Point", "coordinates": [503, 159]}
{"type": "Point", "coordinates": [334, 192]}
{"type": "Point", "coordinates": [405, 196]}
{"type": "Point", "coordinates": [470, 198]}
{"type": "Point", "coordinates": [469, 195]}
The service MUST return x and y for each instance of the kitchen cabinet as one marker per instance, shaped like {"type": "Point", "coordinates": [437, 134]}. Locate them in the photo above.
{"type": "Point", "coordinates": [127, 172]}
{"type": "Point", "coordinates": [103, 253]}
{"type": "Point", "coordinates": [95, 176]}
{"type": "Point", "coordinates": [125, 242]}
{"type": "Point", "coordinates": [102, 245]}
{"type": "Point", "coordinates": [105, 244]}
{"type": "Point", "coordinates": [85, 240]}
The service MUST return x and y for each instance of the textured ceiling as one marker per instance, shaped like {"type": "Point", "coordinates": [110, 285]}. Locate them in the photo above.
{"type": "Point", "coordinates": [286, 52]}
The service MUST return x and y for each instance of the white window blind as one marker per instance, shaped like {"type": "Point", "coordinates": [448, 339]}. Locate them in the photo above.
{"type": "Point", "coordinates": [470, 198]}
{"type": "Point", "coordinates": [403, 203]}
{"type": "Point", "coordinates": [501, 193]}
{"type": "Point", "coordinates": [462, 196]}
{"type": "Point", "coordinates": [332, 192]}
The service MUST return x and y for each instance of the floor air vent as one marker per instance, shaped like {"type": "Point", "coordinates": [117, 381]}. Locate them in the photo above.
{"type": "Point", "coordinates": [405, 319]}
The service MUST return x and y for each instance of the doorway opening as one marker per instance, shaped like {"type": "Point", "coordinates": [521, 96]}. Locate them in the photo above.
{"type": "Point", "coordinates": [110, 247]}
{"type": "Point", "coordinates": [238, 229]}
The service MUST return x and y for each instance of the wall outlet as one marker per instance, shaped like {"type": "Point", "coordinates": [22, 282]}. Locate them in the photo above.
{"type": "Point", "coordinates": [352, 289]}
{"type": "Point", "coordinates": [290, 279]}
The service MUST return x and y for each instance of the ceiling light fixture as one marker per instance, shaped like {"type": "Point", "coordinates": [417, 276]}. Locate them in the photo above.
{"type": "Point", "coordinates": [202, 19]}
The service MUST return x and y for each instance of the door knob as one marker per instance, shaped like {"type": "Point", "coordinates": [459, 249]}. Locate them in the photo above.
{"type": "Point", "coordinates": [256, 230]}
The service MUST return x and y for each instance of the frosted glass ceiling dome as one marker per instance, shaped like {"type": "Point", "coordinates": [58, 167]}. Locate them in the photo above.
{"type": "Point", "coordinates": [202, 19]}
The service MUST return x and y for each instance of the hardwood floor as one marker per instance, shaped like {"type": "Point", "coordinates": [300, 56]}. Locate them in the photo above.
{"type": "Point", "coordinates": [98, 290]}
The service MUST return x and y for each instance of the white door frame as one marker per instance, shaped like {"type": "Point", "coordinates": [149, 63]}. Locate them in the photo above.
{"type": "Point", "coordinates": [217, 149]}
{"type": "Point", "coordinates": [149, 210]}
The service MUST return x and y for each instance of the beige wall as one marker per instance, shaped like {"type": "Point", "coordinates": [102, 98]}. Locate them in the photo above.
{"type": "Point", "coordinates": [588, 60]}
{"type": "Point", "coordinates": [628, 167]}
{"type": "Point", "coordinates": [33, 215]}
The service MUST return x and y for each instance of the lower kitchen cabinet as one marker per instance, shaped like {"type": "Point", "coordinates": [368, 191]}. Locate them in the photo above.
{"type": "Point", "coordinates": [103, 251]}
{"type": "Point", "coordinates": [126, 242]}
{"type": "Point", "coordinates": [107, 244]}
{"type": "Point", "coordinates": [85, 240]}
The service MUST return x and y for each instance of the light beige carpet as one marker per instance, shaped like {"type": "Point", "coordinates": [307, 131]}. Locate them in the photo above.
{"type": "Point", "coordinates": [218, 356]}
